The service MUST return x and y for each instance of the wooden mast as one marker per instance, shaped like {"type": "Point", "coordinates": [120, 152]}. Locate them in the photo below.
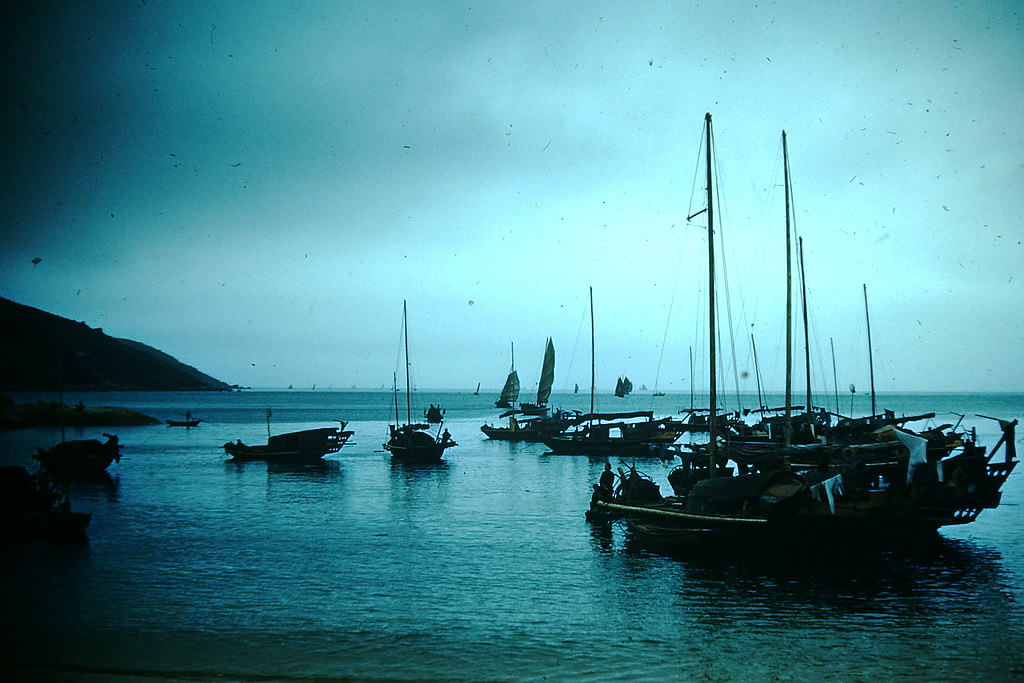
{"type": "Point", "coordinates": [787, 430]}
{"type": "Point", "coordinates": [871, 361]}
{"type": "Point", "coordinates": [835, 377]}
{"type": "Point", "coordinates": [592, 361]}
{"type": "Point", "coordinates": [757, 375]}
{"type": "Point", "coordinates": [408, 388]}
{"type": "Point", "coordinates": [394, 388]}
{"type": "Point", "coordinates": [807, 345]}
{"type": "Point", "coordinates": [713, 398]}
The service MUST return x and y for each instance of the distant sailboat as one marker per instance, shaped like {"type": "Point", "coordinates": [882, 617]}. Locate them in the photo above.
{"type": "Point", "coordinates": [547, 379]}
{"type": "Point", "coordinates": [510, 392]}
{"type": "Point", "coordinates": [477, 392]}
{"type": "Point", "coordinates": [623, 387]}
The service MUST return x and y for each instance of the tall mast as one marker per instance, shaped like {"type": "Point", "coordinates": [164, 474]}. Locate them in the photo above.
{"type": "Point", "coordinates": [512, 344]}
{"type": "Point", "coordinates": [835, 377]}
{"type": "Point", "coordinates": [408, 388]}
{"type": "Point", "coordinates": [713, 398]}
{"type": "Point", "coordinates": [871, 362]}
{"type": "Point", "coordinates": [788, 430]}
{"type": "Point", "coordinates": [691, 378]}
{"type": "Point", "coordinates": [757, 375]}
{"type": "Point", "coordinates": [394, 387]}
{"type": "Point", "coordinates": [592, 361]}
{"type": "Point", "coordinates": [807, 345]}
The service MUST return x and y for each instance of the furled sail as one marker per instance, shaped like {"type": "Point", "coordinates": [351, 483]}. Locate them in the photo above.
{"type": "Point", "coordinates": [547, 374]}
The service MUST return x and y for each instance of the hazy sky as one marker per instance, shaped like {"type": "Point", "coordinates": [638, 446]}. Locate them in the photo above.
{"type": "Point", "coordinates": [254, 187]}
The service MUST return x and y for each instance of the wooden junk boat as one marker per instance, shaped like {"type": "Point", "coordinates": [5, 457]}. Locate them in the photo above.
{"type": "Point", "coordinates": [411, 442]}
{"type": "Point", "coordinates": [532, 429]}
{"type": "Point", "coordinates": [301, 446]}
{"type": "Point", "coordinates": [79, 458]}
{"type": "Point", "coordinates": [899, 483]}
{"type": "Point", "coordinates": [629, 434]}
{"type": "Point", "coordinates": [434, 414]}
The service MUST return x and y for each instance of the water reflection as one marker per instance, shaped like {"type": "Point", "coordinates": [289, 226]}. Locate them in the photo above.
{"type": "Point", "coordinates": [319, 470]}
{"type": "Point", "coordinates": [920, 580]}
{"type": "Point", "coordinates": [418, 471]}
{"type": "Point", "coordinates": [102, 485]}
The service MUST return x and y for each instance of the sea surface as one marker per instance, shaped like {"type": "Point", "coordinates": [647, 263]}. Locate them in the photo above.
{"type": "Point", "coordinates": [482, 568]}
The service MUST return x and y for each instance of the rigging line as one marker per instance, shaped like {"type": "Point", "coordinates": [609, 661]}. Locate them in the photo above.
{"type": "Point", "coordinates": [697, 173]}
{"type": "Point", "coordinates": [572, 357]}
{"type": "Point", "coordinates": [767, 228]}
{"type": "Point", "coordinates": [764, 286]}
{"type": "Point", "coordinates": [818, 376]}
{"type": "Point", "coordinates": [700, 336]}
{"type": "Point", "coordinates": [725, 280]}
{"type": "Point", "coordinates": [668, 318]}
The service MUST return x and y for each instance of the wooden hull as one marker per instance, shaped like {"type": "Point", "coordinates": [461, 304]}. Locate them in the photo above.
{"type": "Point", "coordinates": [533, 409]}
{"type": "Point", "coordinates": [777, 509]}
{"type": "Point", "coordinates": [294, 447]}
{"type": "Point", "coordinates": [583, 446]}
{"type": "Point", "coordinates": [253, 453]}
{"type": "Point", "coordinates": [79, 459]}
{"type": "Point", "coordinates": [509, 434]}
{"type": "Point", "coordinates": [413, 445]}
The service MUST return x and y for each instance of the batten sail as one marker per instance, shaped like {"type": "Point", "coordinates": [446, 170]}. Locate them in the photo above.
{"type": "Point", "coordinates": [510, 392]}
{"type": "Point", "coordinates": [547, 374]}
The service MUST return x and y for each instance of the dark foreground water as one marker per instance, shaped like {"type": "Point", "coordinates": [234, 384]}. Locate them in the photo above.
{"type": "Point", "coordinates": [482, 568]}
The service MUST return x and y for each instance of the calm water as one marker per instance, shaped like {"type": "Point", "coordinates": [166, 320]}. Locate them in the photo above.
{"type": "Point", "coordinates": [482, 568]}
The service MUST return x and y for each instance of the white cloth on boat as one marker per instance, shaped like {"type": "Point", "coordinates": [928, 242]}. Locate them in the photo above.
{"type": "Point", "coordinates": [830, 489]}
{"type": "Point", "coordinates": [918, 447]}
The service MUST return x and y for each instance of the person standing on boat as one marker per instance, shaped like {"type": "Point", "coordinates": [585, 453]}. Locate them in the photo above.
{"type": "Point", "coordinates": [607, 481]}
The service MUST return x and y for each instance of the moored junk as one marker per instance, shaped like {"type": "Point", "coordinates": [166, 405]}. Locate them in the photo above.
{"type": "Point", "coordinates": [410, 442]}
{"type": "Point", "coordinates": [80, 458]}
{"type": "Point", "coordinates": [636, 434]}
{"type": "Point", "coordinates": [301, 446]}
{"type": "Point", "coordinates": [434, 414]}
{"type": "Point", "coordinates": [533, 428]}
{"type": "Point", "coordinates": [903, 483]}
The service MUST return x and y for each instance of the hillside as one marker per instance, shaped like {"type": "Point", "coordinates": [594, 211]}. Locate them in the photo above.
{"type": "Point", "coordinates": [32, 341]}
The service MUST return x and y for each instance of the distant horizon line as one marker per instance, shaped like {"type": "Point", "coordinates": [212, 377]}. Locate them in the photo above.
{"type": "Point", "coordinates": [611, 392]}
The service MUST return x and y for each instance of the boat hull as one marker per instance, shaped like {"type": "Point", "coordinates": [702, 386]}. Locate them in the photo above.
{"type": "Point", "coordinates": [509, 434]}
{"type": "Point", "coordinates": [79, 459]}
{"type": "Point", "coordinates": [294, 447]}
{"type": "Point", "coordinates": [413, 445]}
{"type": "Point", "coordinates": [582, 446]}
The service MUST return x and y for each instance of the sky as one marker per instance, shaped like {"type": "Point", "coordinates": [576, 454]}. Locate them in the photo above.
{"type": "Point", "coordinates": [256, 187]}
